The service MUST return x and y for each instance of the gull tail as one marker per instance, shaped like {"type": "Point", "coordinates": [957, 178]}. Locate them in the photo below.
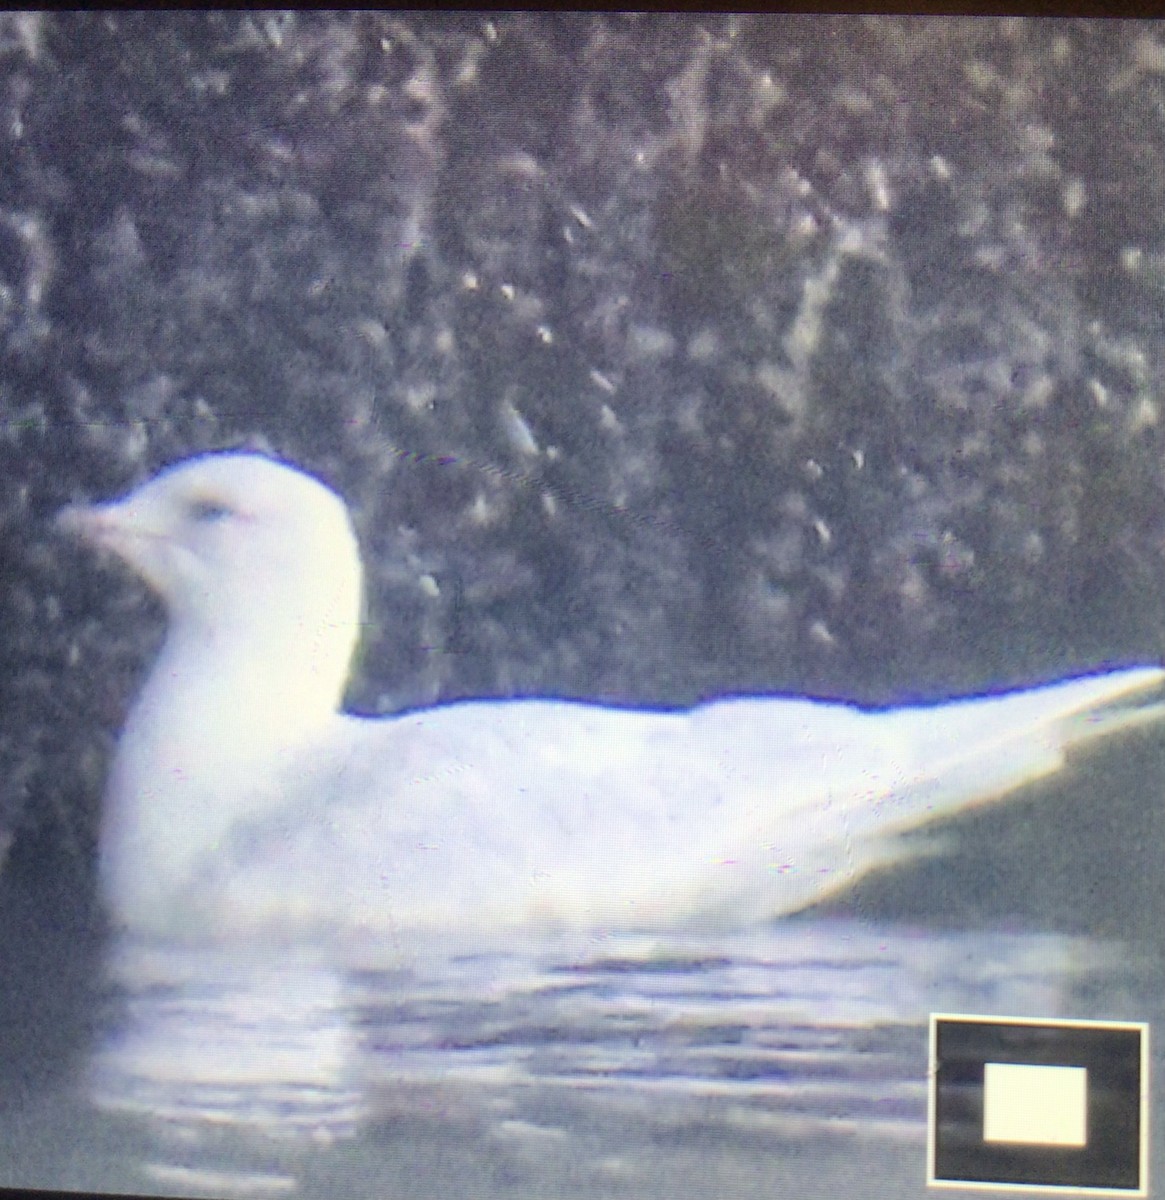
{"type": "Point", "coordinates": [987, 747]}
{"type": "Point", "coordinates": [1128, 704]}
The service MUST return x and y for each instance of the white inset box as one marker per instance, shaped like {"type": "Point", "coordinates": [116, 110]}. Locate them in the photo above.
{"type": "Point", "coordinates": [1027, 1104]}
{"type": "Point", "coordinates": [1034, 1105]}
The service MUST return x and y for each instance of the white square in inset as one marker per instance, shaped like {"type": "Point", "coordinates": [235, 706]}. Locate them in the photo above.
{"type": "Point", "coordinates": [1035, 1105]}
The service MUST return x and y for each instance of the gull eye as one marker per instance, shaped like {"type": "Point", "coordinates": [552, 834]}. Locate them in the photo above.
{"type": "Point", "coordinates": [208, 512]}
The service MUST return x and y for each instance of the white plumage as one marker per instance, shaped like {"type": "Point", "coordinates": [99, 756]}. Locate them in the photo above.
{"type": "Point", "coordinates": [242, 801]}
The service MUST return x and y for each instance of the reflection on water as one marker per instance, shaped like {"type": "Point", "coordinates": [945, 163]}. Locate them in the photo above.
{"type": "Point", "coordinates": [209, 1039]}
{"type": "Point", "coordinates": [597, 1066]}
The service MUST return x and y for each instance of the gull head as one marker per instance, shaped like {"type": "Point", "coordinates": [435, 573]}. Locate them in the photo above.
{"type": "Point", "coordinates": [244, 551]}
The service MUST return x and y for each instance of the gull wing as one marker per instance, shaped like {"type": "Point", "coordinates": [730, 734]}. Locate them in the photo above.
{"type": "Point", "coordinates": [489, 815]}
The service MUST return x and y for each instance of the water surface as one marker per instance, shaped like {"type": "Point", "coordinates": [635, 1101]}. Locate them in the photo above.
{"type": "Point", "coordinates": [789, 1059]}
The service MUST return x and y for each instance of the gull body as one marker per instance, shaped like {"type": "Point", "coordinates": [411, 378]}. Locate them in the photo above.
{"type": "Point", "coordinates": [242, 801]}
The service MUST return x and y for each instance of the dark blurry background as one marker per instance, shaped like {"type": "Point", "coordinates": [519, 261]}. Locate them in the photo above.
{"type": "Point", "coordinates": [659, 357]}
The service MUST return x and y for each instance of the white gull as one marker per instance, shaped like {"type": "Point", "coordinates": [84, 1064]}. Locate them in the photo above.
{"type": "Point", "coordinates": [243, 802]}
